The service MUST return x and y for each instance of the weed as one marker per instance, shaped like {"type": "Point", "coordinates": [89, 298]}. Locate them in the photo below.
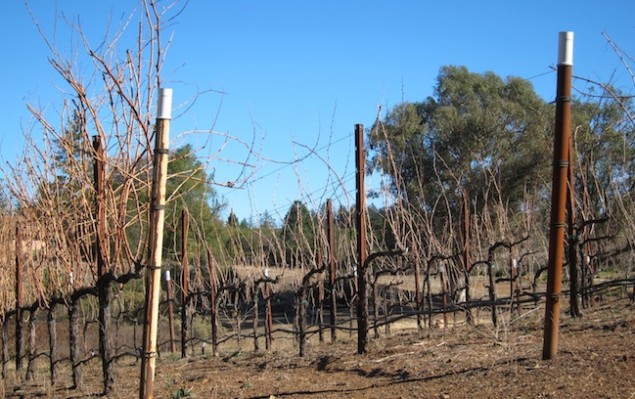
{"type": "Point", "coordinates": [182, 393]}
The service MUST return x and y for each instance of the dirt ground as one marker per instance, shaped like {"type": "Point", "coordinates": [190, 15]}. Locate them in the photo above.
{"type": "Point", "coordinates": [596, 360]}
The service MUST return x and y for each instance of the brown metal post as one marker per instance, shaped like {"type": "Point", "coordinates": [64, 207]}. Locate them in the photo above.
{"type": "Point", "coordinates": [558, 196]}
{"type": "Point", "coordinates": [170, 299]}
{"type": "Point", "coordinates": [101, 249]}
{"type": "Point", "coordinates": [18, 298]}
{"type": "Point", "coordinates": [360, 202]}
{"type": "Point", "coordinates": [330, 232]}
{"type": "Point", "coordinates": [153, 272]}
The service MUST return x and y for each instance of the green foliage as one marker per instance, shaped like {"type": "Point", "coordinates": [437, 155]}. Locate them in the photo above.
{"type": "Point", "coordinates": [232, 219]}
{"type": "Point", "coordinates": [477, 132]}
{"type": "Point", "coordinates": [299, 233]}
{"type": "Point", "coordinates": [182, 393]}
{"type": "Point", "coordinates": [189, 188]}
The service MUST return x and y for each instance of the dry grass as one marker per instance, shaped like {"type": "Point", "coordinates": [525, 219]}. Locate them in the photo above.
{"type": "Point", "coordinates": [596, 360]}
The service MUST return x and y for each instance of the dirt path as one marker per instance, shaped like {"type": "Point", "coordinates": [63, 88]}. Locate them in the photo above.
{"type": "Point", "coordinates": [596, 360]}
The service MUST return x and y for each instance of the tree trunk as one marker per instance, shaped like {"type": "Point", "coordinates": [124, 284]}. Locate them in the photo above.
{"type": "Point", "coordinates": [170, 300]}
{"type": "Point", "coordinates": [428, 291]}
{"type": "Point", "coordinates": [52, 343]}
{"type": "Point", "coordinates": [302, 320]}
{"type": "Point", "coordinates": [444, 296]}
{"type": "Point", "coordinates": [29, 369]}
{"type": "Point", "coordinates": [213, 294]}
{"type": "Point", "coordinates": [418, 296]}
{"type": "Point", "coordinates": [73, 320]}
{"type": "Point", "coordinates": [491, 289]}
{"type": "Point", "coordinates": [573, 277]}
{"type": "Point", "coordinates": [104, 341]}
{"type": "Point", "coordinates": [269, 325]}
{"type": "Point", "coordinates": [332, 271]}
{"type": "Point", "coordinates": [5, 347]}
{"type": "Point", "coordinates": [255, 318]}
{"type": "Point", "coordinates": [320, 307]}
{"type": "Point", "coordinates": [375, 309]}
{"type": "Point", "coordinates": [185, 277]}
{"type": "Point", "coordinates": [18, 299]}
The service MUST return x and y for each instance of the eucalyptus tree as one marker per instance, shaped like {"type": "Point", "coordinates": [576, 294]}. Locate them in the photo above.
{"type": "Point", "coordinates": [479, 143]}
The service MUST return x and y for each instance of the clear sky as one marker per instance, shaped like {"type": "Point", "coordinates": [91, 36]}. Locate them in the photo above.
{"type": "Point", "coordinates": [300, 74]}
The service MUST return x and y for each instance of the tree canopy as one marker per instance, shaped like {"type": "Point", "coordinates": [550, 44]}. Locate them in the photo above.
{"type": "Point", "coordinates": [476, 133]}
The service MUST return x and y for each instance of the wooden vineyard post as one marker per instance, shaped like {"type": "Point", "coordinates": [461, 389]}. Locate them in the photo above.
{"type": "Point", "coordinates": [332, 273]}
{"type": "Point", "coordinates": [153, 270]}
{"type": "Point", "coordinates": [185, 275]}
{"type": "Point", "coordinates": [558, 221]}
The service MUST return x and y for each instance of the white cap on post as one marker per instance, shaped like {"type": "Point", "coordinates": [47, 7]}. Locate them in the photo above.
{"type": "Point", "coordinates": [164, 110]}
{"type": "Point", "coordinates": [167, 275]}
{"type": "Point", "coordinates": [565, 48]}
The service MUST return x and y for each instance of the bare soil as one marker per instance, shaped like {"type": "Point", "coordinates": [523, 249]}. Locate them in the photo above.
{"type": "Point", "coordinates": [596, 360]}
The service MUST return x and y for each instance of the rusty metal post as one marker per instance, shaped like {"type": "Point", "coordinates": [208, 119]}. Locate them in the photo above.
{"type": "Point", "coordinates": [170, 299]}
{"type": "Point", "coordinates": [558, 221]}
{"type": "Point", "coordinates": [153, 270]}
{"type": "Point", "coordinates": [18, 297]}
{"type": "Point", "coordinates": [101, 249]}
{"type": "Point", "coordinates": [360, 211]}
{"type": "Point", "coordinates": [330, 232]}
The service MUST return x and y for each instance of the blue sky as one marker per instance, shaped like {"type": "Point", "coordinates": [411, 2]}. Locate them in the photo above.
{"type": "Point", "coordinates": [301, 74]}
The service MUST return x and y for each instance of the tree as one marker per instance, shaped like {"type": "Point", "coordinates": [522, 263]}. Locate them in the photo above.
{"type": "Point", "coordinates": [232, 219]}
{"type": "Point", "coordinates": [188, 187]}
{"type": "Point", "coordinates": [298, 232]}
{"type": "Point", "coordinates": [479, 139]}
{"type": "Point", "coordinates": [267, 221]}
